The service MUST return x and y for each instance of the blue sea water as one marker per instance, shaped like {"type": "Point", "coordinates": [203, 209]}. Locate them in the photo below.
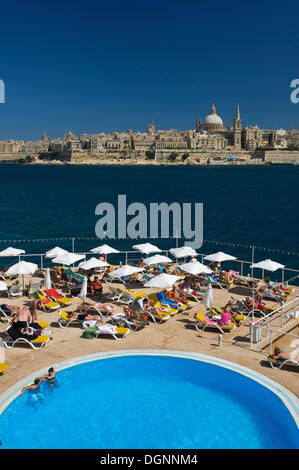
{"type": "Point", "coordinates": [149, 402]}
{"type": "Point", "coordinates": [256, 205]}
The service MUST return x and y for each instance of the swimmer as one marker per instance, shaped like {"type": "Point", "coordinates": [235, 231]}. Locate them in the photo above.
{"type": "Point", "coordinates": [34, 390]}
{"type": "Point", "coordinates": [50, 378]}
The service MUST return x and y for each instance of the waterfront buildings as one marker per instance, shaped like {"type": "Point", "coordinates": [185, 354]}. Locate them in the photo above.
{"type": "Point", "coordinates": [209, 135]}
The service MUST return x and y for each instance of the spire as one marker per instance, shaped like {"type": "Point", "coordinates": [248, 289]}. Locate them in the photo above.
{"type": "Point", "coordinates": [238, 118]}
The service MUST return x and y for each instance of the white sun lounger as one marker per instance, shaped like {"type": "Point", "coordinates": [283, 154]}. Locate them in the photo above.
{"type": "Point", "coordinates": [119, 318]}
{"type": "Point", "coordinates": [114, 331]}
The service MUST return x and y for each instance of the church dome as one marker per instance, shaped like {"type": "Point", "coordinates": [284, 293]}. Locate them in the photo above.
{"type": "Point", "coordinates": [213, 121]}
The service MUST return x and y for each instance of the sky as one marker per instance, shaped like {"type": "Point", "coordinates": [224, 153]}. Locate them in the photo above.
{"type": "Point", "coordinates": [98, 66]}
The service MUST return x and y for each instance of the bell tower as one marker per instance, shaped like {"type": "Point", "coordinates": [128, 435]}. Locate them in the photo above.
{"type": "Point", "coordinates": [237, 130]}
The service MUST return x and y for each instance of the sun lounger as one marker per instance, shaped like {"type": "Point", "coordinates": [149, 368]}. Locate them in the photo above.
{"type": "Point", "coordinates": [174, 304]}
{"type": "Point", "coordinates": [48, 305]}
{"type": "Point", "coordinates": [226, 284]}
{"type": "Point", "coordinates": [214, 281]}
{"type": "Point", "coordinates": [111, 330]}
{"type": "Point", "coordinates": [246, 282]}
{"type": "Point", "coordinates": [74, 276]}
{"type": "Point", "coordinates": [192, 294]}
{"type": "Point", "coordinates": [64, 320]}
{"type": "Point", "coordinates": [120, 319]}
{"type": "Point", "coordinates": [3, 367]}
{"type": "Point", "coordinates": [163, 306]}
{"type": "Point", "coordinates": [34, 287]}
{"type": "Point", "coordinates": [15, 291]}
{"type": "Point", "coordinates": [37, 325]}
{"type": "Point", "coordinates": [218, 312]}
{"type": "Point", "coordinates": [204, 322]}
{"type": "Point", "coordinates": [114, 294]}
{"type": "Point", "coordinates": [86, 308]}
{"type": "Point", "coordinates": [53, 295]}
{"type": "Point", "coordinates": [158, 317]}
{"type": "Point", "coordinates": [242, 308]}
{"type": "Point", "coordinates": [280, 363]}
{"type": "Point", "coordinates": [14, 337]}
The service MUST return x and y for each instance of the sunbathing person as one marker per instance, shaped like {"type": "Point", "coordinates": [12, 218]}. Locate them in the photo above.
{"type": "Point", "coordinates": [109, 269]}
{"type": "Point", "coordinates": [190, 288]}
{"type": "Point", "coordinates": [279, 354]}
{"type": "Point", "coordinates": [174, 294]}
{"type": "Point", "coordinates": [257, 306]}
{"type": "Point", "coordinates": [228, 308]}
{"type": "Point", "coordinates": [131, 315]}
{"type": "Point", "coordinates": [56, 277]}
{"type": "Point", "coordinates": [228, 277]}
{"type": "Point", "coordinates": [277, 285]}
{"type": "Point", "coordinates": [103, 308]}
{"type": "Point", "coordinates": [143, 305]}
{"type": "Point", "coordinates": [8, 309]}
{"type": "Point", "coordinates": [198, 285]}
{"type": "Point", "coordinates": [177, 272]}
{"type": "Point", "coordinates": [83, 317]}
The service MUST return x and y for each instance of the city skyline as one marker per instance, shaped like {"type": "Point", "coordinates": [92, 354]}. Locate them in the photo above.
{"type": "Point", "coordinates": [112, 67]}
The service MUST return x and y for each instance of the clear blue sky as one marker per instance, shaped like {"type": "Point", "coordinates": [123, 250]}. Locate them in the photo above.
{"type": "Point", "coordinates": [93, 66]}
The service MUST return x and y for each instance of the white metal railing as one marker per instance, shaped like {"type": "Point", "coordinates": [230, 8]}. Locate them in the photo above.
{"type": "Point", "coordinates": [285, 312]}
{"type": "Point", "coordinates": [243, 266]}
{"type": "Point", "coordinates": [137, 255]}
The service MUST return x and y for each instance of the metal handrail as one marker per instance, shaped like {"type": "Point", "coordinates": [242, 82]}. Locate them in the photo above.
{"type": "Point", "coordinates": [286, 307]}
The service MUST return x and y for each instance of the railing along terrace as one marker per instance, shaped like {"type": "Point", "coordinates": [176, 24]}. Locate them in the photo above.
{"type": "Point", "coordinates": [284, 313]}
{"type": "Point", "coordinates": [131, 256]}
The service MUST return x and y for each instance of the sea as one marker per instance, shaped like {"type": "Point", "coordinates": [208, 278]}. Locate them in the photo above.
{"type": "Point", "coordinates": [243, 206]}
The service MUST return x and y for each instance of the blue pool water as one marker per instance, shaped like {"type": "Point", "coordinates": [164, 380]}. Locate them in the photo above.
{"type": "Point", "coordinates": [149, 402]}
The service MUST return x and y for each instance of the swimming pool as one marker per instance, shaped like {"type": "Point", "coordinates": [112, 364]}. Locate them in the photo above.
{"type": "Point", "coordinates": [149, 401]}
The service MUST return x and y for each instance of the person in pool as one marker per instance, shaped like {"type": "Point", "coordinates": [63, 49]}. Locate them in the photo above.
{"type": "Point", "coordinates": [50, 378]}
{"type": "Point", "coordinates": [34, 388]}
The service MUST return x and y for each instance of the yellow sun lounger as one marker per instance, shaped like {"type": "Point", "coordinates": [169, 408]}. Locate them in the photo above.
{"type": "Point", "coordinates": [42, 324]}
{"type": "Point", "coordinates": [38, 343]}
{"type": "Point", "coordinates": [64, 320]}
{"type": "Point", "coordinates": [165, 307]}
{"type": "Point", "coordinates": [47, 304]}
{"type": "Point", "coordinates": [203, 322]}
{"type": "Point", "coordinates": [158, 317]}
{"type": "Point", "coordinates": [3, 367]}
{"type": "Point", "coordinates": [55, 297]}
